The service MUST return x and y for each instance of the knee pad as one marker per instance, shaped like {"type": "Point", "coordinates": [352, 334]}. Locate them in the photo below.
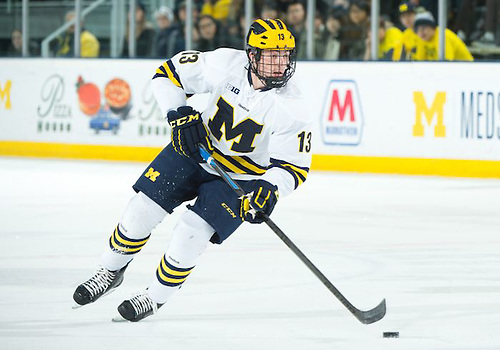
{"type": "Point", "coordinates": [189, 241]}
{"type": "Point", "coordinates": [141, 216]}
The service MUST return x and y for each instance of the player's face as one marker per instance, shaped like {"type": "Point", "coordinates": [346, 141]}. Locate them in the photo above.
{"type": "Point", "coordinates": [273, 63]}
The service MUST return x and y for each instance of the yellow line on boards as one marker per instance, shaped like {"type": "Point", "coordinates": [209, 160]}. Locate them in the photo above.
{"type": "Point", "coordinates": [74, 151]}
{"type": "Point", "coordinates": [383, 165]}
{"type": "Point", "coordinates": [409, 166]}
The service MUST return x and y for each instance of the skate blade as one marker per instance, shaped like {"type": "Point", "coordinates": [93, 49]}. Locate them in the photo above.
{"type": "Point", "coordinates": [77, 306]}
{"type": "Point", "coordinates": [119, 319]}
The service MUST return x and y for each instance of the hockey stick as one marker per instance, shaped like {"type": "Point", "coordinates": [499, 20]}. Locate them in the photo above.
{"type": "Point", "coordinates": [365, 317]}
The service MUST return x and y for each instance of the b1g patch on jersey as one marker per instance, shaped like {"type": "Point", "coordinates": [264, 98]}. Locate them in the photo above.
{"type": "Point", "coordinates": [232, 89]}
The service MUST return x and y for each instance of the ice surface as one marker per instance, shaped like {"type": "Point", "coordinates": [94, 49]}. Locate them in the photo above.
{"type": "Point", "coordinates": [431, 246]}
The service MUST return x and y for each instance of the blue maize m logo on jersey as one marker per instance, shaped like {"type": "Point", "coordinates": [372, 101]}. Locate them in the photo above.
{"type": "Point", "coordinates": [242, 134]}
{"type": "Point", "coordinates": [342, 115]}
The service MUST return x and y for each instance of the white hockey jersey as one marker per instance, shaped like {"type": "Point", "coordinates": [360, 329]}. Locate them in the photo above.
{"type": "Point", "coordinates": [256, 133]}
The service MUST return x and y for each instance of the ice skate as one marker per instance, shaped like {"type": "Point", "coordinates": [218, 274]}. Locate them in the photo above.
{"type": "Point", "coordinates": [103, 282]}
{"type": "Point", "coordinates": [137, 308]}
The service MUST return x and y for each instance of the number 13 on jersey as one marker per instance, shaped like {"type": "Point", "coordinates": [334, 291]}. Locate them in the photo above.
{"type": "Point", "coordinates": [304, 141]}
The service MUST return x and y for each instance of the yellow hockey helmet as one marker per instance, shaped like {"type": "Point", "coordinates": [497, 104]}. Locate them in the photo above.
{"type": "Point", "coordinates": [271, 34]}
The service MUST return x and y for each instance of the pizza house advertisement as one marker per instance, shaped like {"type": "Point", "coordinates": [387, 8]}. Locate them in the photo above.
{"type": "Point", "coordinates": [93, 103]}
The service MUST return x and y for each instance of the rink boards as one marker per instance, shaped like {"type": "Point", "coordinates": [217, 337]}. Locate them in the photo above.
{"type": "Point", "coordinates": [382, 117]}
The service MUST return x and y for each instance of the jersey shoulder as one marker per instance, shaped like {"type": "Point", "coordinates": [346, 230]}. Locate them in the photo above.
{"type": "Point", "coordinates": [291, 101]}
{"type": "Point", "coordinates": [226, 59]}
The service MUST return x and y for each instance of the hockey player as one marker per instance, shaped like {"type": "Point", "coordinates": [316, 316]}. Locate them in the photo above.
{"type": "Point", "coordinates": [256, 125]}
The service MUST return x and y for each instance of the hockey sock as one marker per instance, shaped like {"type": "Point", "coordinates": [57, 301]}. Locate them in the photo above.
{"type": "Point", "coordinates": [190, 239]}
{"type": "Point", "coordinates": [140, 217]}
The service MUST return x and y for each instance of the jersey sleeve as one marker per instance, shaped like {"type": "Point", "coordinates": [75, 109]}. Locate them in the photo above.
{"type": "Point", "coordinates": [188, 73]}
{"type": "Point", "coordinates": [290, 152]}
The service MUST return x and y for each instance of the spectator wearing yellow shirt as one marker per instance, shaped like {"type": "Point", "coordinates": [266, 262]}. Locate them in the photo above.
{"type": "Point", "coordinates": [89, 45]}
{"type": "Point", "coordinates": [407, 13]}
{"type": "Point", "coordinates": [390, 43]}
{"type": "Point", "coordinates": [427, 47]}
{"type": "Point", "coordinates": [218, 9]}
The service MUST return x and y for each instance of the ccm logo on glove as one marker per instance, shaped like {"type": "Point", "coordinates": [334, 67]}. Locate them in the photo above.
{"type": "Point", "coordinates": [183, 120]}
{"type": "Point", "coordinates": [188, 131]}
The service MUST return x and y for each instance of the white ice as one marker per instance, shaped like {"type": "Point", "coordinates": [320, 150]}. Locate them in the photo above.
{"type": "Point", "coordinates": [430, 246]}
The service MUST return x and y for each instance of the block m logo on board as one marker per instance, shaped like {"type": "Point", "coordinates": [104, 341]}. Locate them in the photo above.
{"type": "Point", "coordinates": [5, 94]}
{"type": "Point", "coordinates": [436, 109]}
{"type": "Point", "coordinates": [342, 116]}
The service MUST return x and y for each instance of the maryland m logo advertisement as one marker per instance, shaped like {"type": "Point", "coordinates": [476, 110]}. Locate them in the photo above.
{"type": "Point", "coordinates": [5, 95]}
{"type": "Point", "coordinates": [342, 115]}
{"type": "Point", "coordinates": [432, 114]}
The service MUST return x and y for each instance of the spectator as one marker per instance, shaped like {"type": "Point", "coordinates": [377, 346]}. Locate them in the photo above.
{"type": "Point", "coordinates": [354, 31]}
{"type": "Point", "coordinates": [282, 6]}
{"type": "Point", "coordinates": [176, 38]}
{"type": "Point", "coordinates": [410, 38]}
{"type": "Point", "coordinates": [342, 5]}
{"type": "Point", "coordinates": [234, 36]}
{"type": "Point", "coordinates": [296, 22]}
{"type": "Point", "coordinates": [16, 45]}
{"type": "Point", "coordinates": [319, 36]}
{"type": "Point", "coordinates": [144, 34]}
{"type": "Point", "coordinates": [243, 23]}
{"type": "Point", "coordinates": [427, 47]}
{"type": "Point", "coordinates": [429, 5]}
{"type": "Point", "coordinates": [390, 42]}
{"type": "Point", "coordinates": [89, 45]}
{"type": "Point", "coordinates": [208, 30]}
{"type": "Point", "coordinates": [359, 11]}
{"type": "Point", "coordinates": [269, 11]}
{"type": "Point", "coordinates": [236, 9]}
{"type": "Point", "coordinates": [217, 9]}
{"type": "Point", "coordinates": [164, 20]}
{"type": "Point", "coordinates": [296, 16]}
{"type": "Point", "coordinates": [331, 42]}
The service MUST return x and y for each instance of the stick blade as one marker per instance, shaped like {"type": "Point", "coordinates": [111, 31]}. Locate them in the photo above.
{"type": "Point", "coordinates": [373, 315]}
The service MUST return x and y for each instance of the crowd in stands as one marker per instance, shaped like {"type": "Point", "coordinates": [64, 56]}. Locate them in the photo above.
{"type": "Point", "coordinates": [342, 29]}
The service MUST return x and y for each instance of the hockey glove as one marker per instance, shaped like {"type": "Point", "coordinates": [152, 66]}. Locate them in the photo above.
{"type": "Point", "coordinates": [261, 198]}
{"type": "Point", "coordinates": [188, 131]}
